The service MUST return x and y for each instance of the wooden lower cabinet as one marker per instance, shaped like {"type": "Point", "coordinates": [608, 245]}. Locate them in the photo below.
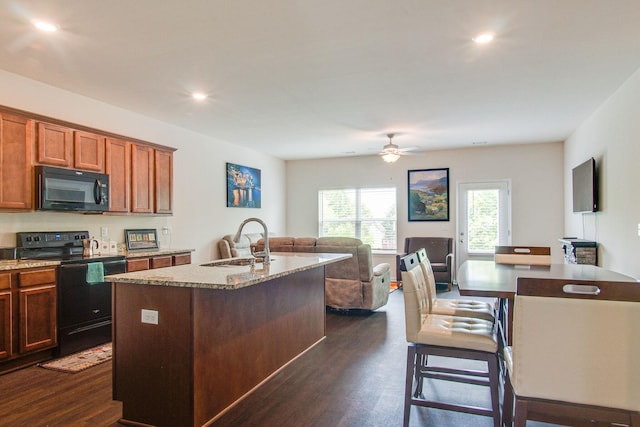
{"type": "Point", "coordinates": [137, 264]}
{"type": "Point", "coordinates": [37, 318]}
{"type": "Point", "coordinates": [28, 318]}
{"type": "Point", "coordinates": [146, 263]}
{"type": "Point", "coordinates": [5, 325]}
{"type": "Point", "coordinates": [160, 261]}
{"type": "Point", "coordinates": [181, 259]}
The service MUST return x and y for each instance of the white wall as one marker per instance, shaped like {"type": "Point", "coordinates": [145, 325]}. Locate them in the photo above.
{"type": "Point", "coordinates": [612, 136]}
{"type": "Point", "coordinates": [200, 215]}
{"type": "Point", "coordinates": [535, 171]}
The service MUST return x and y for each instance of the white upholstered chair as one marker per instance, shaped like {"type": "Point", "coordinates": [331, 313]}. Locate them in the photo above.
{"type": "Point", "coordinates": [481, 309]}
{"type": "Point", "coordinates": [449, 337]}
{"type": "Point", "coordinates": [574, 358]}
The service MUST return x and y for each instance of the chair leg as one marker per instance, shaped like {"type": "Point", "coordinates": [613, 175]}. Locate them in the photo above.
{"type": "Point", "coordinates": [520, 418]}
{"type": "Point", "coordinates": [408, 386]}
{"type": "Point", "coordinates": [420, 368]}
{"type": "Point", "coordinates": [494, 385]}
{"type": "Point", "coordinates": [507, 405]}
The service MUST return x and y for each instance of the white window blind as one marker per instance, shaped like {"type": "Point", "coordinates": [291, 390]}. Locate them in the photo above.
{"type": "Point", "coordinates": [368, 214]}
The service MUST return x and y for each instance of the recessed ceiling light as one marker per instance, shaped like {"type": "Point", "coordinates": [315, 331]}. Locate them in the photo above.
{"type": "Point", "coordinates": [45, 26]}
{"type": "Point", "coordinates": [199, 96]}
{"type": "Point", "coordinates": [483, 38]}
{"type": "Point", "coordinates": [479, 143]}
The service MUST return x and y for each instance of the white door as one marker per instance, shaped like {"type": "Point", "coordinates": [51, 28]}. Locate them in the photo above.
{"type": "Point", "coordinates": [484, 219]}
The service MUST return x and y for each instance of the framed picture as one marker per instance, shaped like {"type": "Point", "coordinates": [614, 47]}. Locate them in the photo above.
{"type": "Point", "coordinates": [429, 194]}
{"type": "Point", "coordinates": [243, 187]}
{"type": "Point", "coordinates": [144, 238]}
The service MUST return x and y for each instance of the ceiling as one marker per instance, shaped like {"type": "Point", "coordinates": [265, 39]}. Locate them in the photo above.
{"type": "Point", "coordinates": [311, 79]}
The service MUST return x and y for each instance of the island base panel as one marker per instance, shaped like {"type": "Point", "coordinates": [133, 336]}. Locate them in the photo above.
{"type": "Point", "coordinates": [210, 347]}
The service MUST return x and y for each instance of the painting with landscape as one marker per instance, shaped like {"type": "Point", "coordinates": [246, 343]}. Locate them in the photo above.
{"type": "Point", "coordinates": [243, 187]}
{"type": "Point", "coordinates": [429, 195]}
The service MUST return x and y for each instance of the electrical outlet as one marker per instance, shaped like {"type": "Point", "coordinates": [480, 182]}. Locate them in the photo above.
{"type": "Point", "coordinates": [165, 231]}
{"type": "Point", "coordinates": [104, 232]}
{"type": "Point", "coordinates": [149, 316]}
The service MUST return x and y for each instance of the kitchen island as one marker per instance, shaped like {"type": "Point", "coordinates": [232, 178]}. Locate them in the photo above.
{"type": "Point", "coordinates": [190, 341]}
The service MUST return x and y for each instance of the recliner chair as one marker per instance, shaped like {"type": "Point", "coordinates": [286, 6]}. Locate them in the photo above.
{"type": "Point", "coordinates": [440, 254]}
{"type": "Point", "coordinates": [353, 283]}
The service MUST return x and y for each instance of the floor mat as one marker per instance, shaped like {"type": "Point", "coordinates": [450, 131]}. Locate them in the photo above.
{"type": "Point", "coordinates": [80, 361]}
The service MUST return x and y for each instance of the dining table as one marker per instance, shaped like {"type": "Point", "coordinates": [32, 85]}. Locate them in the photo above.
{"type": "Point", "coordinates": [486, 278]}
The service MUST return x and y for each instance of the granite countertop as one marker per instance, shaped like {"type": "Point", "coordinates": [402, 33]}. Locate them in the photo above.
{"type": "Point", "coordinates": [16, 264]}
{"type": "Point", "coordinates": [218, 275]}
{"type": "Point", "coordinates": [154, 252]}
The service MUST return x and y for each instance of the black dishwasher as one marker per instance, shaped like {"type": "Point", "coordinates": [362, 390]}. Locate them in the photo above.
{"type": "Point", "coordinates": [84, 309]}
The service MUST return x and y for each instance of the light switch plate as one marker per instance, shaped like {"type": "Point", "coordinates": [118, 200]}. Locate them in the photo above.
{"type": "Point", "coordinates": [150, 316]}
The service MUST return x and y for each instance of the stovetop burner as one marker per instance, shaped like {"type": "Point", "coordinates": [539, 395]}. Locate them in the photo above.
{"type": "Point", "coordinates": [63, 246]}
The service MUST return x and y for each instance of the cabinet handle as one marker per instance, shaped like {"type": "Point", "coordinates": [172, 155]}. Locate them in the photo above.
{"type": "Point", "coordinates": [581, 289]}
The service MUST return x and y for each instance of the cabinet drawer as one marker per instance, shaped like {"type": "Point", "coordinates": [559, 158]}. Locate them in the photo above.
{"type": "Point", "coordinates": [5, 281]}
{"type": "Point", "coordinates": [181, 259]}
{"type": "Point", "coordinates": [36, 277]}
{"type": "Point", "coordinates": [160, 261]}
{"type": "Point", "coordinates": [137, 264]}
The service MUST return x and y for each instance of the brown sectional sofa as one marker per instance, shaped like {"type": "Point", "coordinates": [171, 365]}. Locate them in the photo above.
{"type": "Point", "coordinates": [353, 283]}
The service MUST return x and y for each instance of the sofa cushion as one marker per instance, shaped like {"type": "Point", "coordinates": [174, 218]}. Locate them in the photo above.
{"type": "Point", "coordinates": [438, 266]}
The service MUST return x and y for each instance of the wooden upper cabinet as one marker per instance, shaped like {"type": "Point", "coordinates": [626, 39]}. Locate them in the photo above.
{"type": "Point", "coordinates": [163, 181]}
{"type": "Point", "coordinates": [118, 167]}
{"type": "Point", "coordinates": [54, 145]}
{"type": "Point", "coordinates": [142, 178]}
{"type": "Point", "coordinates": [88, 151]}
{"type": "Point", "coordinates": [16, 140]}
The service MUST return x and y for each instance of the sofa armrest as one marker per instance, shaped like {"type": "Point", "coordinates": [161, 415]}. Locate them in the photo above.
{"type": "Point", "coordinates": [398, 258]}
{"type": "Point", "coordinates": [450, 264]}
{"type": "Point", "coordinates": [381, 269]}
{"type": "Point", "coordinates": [224, 249]}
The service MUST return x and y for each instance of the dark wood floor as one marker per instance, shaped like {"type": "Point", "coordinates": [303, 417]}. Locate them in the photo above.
{"type": "Point", "coordinates": [355, 377]}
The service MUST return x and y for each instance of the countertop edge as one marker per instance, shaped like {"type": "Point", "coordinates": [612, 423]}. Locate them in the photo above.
{"type": "Point", "coordinates": [235, 277]}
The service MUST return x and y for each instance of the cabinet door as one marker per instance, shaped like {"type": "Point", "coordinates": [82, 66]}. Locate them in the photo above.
{"type": "Point", "coordinates": [137, 264]}
{"type": "Point", "coordinates": [142, 165]}
{"type": "Point", "coordinates": [54, 145]}
{"type": "Point", "coordinates": [181, 259]}
{"type": "Point", "coordinates": [164, 181]}
{"type": "Point", "coordinates": [160, 261]}
{"type": "Point", "coordinates": [5, 325]}
{"type": "Point", "coordinates": [88, 151]}
{"type": "Point", "coordinates": [118, 167]}
{"type": "Point", "coordinates": [16, 135]}
{"type": "Point", "coordinates": [37, 318]}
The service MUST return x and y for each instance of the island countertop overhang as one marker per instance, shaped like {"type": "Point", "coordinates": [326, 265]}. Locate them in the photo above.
{"type": "Point", "coordinates": [228, 277]}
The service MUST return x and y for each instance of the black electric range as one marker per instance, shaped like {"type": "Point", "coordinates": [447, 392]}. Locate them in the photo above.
{"type": "Point", "coordinates": [63, 246]}
{"type": "Point", "coordinates": [84, 303]}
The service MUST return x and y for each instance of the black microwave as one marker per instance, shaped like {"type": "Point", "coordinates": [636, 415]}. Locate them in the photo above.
{"type": "Point", "coordinates": [71, 190]}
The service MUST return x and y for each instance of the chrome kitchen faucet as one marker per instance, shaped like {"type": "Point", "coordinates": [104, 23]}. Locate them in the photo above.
{"type": "Point", "coordinates": [265, 253]}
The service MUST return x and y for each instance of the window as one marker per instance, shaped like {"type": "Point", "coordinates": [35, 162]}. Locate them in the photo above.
{"type": "Point", "coordinates": [368, 214]}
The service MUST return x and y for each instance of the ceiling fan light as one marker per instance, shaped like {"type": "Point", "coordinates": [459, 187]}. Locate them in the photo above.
{"type": "Point", "coordinates": [390, 157]}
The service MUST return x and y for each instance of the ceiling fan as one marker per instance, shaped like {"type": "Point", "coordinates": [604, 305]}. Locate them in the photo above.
{"type": "Point", "coordinates": [391, 152]}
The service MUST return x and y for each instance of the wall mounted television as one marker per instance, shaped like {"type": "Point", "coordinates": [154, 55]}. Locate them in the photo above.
{"type": "Point", "coordinates": [585, 187]}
